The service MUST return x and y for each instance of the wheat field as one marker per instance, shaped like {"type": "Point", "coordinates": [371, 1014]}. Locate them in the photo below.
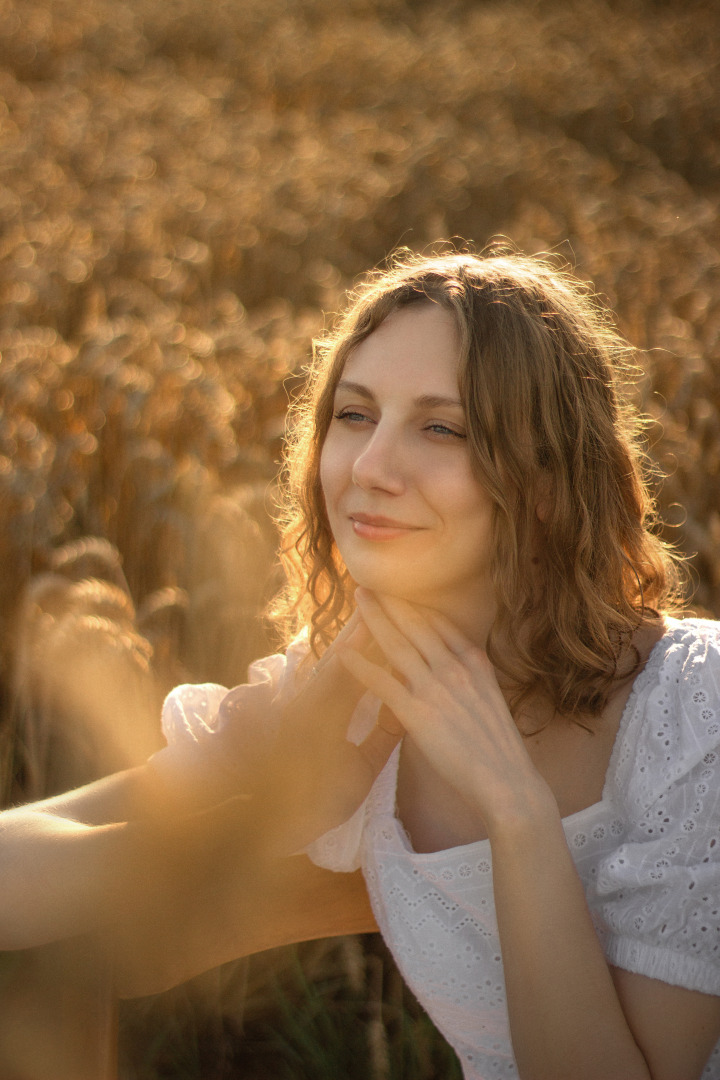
{"type": "Point", "coordinates": [186, 190]}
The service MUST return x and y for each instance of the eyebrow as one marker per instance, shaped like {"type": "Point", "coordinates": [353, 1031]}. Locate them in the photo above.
{"type": "Point", "coordinates": [425, 401]}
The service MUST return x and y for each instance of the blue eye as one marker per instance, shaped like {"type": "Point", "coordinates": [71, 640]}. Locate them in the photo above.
{"type": "Point", "coordinates": [350, 414]}
{"type": "Point", "coordinates": [442, 429]}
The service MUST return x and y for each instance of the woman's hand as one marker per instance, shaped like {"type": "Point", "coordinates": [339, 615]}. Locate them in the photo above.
{"type": "Point", "coordinates": [316, 778]}
{"type": "Point", "coordinates": [444, 692]}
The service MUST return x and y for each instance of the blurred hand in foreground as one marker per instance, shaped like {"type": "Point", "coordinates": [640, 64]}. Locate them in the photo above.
{"type": "Point", "coordinates": [307, 777]}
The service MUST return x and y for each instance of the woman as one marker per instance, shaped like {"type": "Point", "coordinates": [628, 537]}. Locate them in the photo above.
{"type": "Point", "coordinates": [466, 501]}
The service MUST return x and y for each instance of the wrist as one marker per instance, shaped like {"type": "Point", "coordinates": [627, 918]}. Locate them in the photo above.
{"type": "Point", "coordinates": [523, 817]}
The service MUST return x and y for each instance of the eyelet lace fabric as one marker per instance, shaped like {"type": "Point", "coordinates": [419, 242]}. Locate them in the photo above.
{"type": "Point", "coordinates": [648, 855]}
{"type": "Point", "coordinates": [214, 734]}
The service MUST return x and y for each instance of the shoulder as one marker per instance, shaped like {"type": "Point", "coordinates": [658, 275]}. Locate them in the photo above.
{"type": "Point", "coordinates": [672, 719]}
{"type": "Point", "coordinates": [656, 891]}
{"type": "Point", "coordinates": [190, 711]}
{"type": "Point", "coordinates": [193, 711]}
{"type": "Point", "coordinates": [215, 735]}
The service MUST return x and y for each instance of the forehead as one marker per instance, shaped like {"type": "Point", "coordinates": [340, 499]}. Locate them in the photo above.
{"type": "Point", "coordinates": [416, 343]}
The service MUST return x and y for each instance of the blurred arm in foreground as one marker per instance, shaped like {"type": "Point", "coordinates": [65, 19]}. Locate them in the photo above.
{"type": "Point", "coordinates": [173, 882]}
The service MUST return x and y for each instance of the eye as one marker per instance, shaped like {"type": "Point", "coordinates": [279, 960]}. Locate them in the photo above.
{"type": "Point", "coordinates": [352, 416]}
{"type": "Point", "coordinates": [445, 432]}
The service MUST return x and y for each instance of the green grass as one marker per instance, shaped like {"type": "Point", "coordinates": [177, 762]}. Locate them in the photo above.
{"type": "Point", "coordinates": [318, 1013]}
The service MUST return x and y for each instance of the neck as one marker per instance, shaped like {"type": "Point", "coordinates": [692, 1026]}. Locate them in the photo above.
{"type": "Point", "coordinates": [472, 615]}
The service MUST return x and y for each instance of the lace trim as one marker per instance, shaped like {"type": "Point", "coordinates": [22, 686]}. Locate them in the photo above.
{"type": "Point", "coordinates": [679, 969]}
{"type": "Point", "coordinates": [385, 793]}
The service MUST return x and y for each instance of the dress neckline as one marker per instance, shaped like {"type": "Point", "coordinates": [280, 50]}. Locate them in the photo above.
{"type": "Point", "coordinates": [653, 664]}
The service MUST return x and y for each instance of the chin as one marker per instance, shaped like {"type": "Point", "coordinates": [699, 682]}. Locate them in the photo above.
{"type": "Point", "coordinates": [393, 585]}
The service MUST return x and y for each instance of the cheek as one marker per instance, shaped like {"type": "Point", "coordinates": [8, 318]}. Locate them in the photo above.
{"type": "Point", "coordinates": [463, 494]}
{"type": "Point", "coordinates": [473, 517]}
{"type": "Point", "coordinates": [338, 453]}
{"type": "Point", "coordinates": [331, 471]}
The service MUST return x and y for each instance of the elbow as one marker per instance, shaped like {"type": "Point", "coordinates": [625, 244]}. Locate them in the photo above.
{"type": "Point", "coordinates": [14, 938]}
{"type": "Point", "coordinates": [141, 980]}
{"type": "Point", "coordinates": [149, 968]}
{"type": "Point", "coordinates": [144, 958]}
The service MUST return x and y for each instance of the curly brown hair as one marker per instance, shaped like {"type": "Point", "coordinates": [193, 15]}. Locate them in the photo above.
{"type": "Point", "coordinates": [542, 377]}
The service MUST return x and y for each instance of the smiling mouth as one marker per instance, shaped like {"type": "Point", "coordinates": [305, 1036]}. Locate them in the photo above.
{"type": "Point", "coordinates": [377, 527]}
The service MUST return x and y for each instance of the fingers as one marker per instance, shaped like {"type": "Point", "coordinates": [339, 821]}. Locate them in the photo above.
{"type": "Point", "coordinates": [397, 645]}
{"type": "Point", "coordinates": [354, 631]}
{"type": "Point", "coordinates": [389, 723]}
{"type": "Point", "coordinates": [453, 638]}
{"type": "Point", "coordinates": [381, 741]}
{"type": "Point", "coordinates": [377, 679]}
{"type": "Point", "coordinates": [410, 642]}
{"type": "Point", "coordinates": [433, 636]}
{"type": "Point", "coordinates": [413, 622]}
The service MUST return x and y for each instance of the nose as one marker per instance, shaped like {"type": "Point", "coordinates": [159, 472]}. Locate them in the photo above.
{"type": "Point", "coordinates": [380, 465]}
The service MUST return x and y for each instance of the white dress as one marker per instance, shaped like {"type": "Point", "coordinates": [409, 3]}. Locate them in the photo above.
{"type": "Point", "coordinates": [648, 853]}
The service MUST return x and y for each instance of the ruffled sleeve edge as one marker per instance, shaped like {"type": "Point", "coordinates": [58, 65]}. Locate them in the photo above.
{"type": "Point", "coordinates": [678, 969]}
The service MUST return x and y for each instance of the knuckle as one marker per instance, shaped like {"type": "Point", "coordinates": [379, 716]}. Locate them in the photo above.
{"type": "Point", "coordinates": [457, 676]}
{"type": "Point", "coordinates": [478, 659]}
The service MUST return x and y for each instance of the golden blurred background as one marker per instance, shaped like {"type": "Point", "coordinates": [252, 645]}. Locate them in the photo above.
{"type": "Point", "coordinates": [186, 190]}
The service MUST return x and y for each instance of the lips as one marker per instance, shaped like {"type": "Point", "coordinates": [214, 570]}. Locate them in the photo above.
{"type": "Point", "coordinates": [381, 521]}
{"type": "Point", "coordinates": [379, 527]}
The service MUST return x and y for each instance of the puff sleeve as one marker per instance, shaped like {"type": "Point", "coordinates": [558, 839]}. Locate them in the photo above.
{"type": "Point", "coordinates": [656, 896]}
{"type": "Point", "coordinates": [213, 734]}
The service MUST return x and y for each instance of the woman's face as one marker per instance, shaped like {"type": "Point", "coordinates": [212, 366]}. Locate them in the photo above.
{"type": "Point", "coordinates": [407, 514]}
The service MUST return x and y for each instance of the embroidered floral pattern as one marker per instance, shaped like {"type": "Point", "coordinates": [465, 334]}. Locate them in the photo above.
{"type": "Point", "coordinates": [648, 855]}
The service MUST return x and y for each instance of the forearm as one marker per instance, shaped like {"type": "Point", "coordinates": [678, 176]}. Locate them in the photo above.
{"type": "Point", "coordinates": [62, 877]}
{"type": "Point", "coordinates": [168, 894]}
{"type": "Point", "coordinates": [190, 893]}
{"type": "Point", "coordinates": [565, 1017]}
{"type": "Point", "coordinates": [62, 860]}
{"type": "Point", "coordinates": [204, 920]}
{"type": "Point", "coordinates": [55, 875]}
